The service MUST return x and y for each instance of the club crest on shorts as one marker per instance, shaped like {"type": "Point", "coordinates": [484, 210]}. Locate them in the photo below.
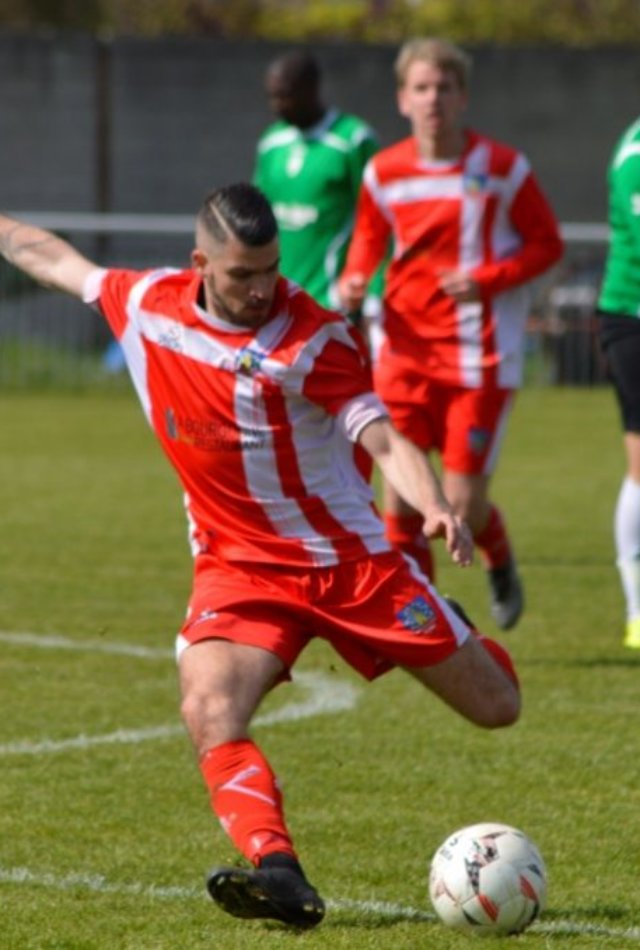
{"type": "Point", "coordinates": [478, 439]}
{"type": "Point", "coordinates": [418, 615]}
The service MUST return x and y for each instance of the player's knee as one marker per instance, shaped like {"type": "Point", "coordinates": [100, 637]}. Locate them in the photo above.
{"type": "Point", "coordinates": [503, 697]}
{"type": "Point", "coordinates": [503, 709]}
{"type": "Point", "coordinates": [209, 718]}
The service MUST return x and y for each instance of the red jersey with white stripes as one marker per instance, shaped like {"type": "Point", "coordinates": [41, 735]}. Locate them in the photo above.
{"type": "Point", "coordinates": [260, 425]}
{"type": "Point", "coordinates": [483, 213]}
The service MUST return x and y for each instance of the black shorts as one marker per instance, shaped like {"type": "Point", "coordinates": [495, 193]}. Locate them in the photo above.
{"type": "Point", "coordinates": [620, 342]}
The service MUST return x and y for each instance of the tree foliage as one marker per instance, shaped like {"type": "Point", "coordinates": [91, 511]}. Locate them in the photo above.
{"type": "Point", "coordinates": [569, 22]}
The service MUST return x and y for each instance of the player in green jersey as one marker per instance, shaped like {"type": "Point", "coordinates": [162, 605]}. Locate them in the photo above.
{"type": "Point", "coordinates": [619, 328]}
{"type": "Point", "coordinates": [309, 164]}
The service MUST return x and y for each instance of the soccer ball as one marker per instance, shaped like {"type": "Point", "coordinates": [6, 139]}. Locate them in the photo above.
{"type": "Point", "coordinates": [488, 879]}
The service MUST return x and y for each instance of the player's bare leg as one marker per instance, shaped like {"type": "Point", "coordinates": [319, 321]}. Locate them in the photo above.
{"type": "Point", "coordinates": [222, 686]}
{"type": "Point", "coordinates": [474, 684]}
{"type": "Point", "coordinates": [627, 539]}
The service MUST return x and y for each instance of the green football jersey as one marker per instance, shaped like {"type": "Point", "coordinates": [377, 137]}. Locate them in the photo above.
{"type": "Point", "coordinates": [312, 178]}
{"type": "Point", "coordinates": [620, 291]}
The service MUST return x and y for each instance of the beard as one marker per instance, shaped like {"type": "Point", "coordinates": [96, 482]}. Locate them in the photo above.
{"type": "Point", "coordinates": [237, 313]}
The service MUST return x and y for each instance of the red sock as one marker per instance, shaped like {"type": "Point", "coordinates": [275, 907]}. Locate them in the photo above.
{"type": "Point", "coordinates": [493, 540]}
{"type": "Point", "coordinates": [404, 532]}
{"type": "Point", "coordinates": [246, 798]}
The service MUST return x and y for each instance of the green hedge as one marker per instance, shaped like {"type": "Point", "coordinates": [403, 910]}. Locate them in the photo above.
{"type": "Point", "coordinates": [566, 22]}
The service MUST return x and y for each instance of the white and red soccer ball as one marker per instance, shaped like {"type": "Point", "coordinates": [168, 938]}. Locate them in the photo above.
{"type": "Point", "coordinates": [488, 879]}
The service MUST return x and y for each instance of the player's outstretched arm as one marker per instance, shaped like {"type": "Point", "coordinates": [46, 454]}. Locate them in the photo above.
{"type": "Point", "coordinates": [44, 256]}
{"type": "Point", "coordinates": [408, 469]}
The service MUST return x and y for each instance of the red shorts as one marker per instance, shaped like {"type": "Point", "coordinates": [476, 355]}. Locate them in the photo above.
{"type": "Point", "coordinates": [465, 426]}
{"type": "Point", "coordinates": [376, 612]}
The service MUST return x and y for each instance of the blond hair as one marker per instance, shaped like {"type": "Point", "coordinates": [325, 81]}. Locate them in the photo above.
{"type": "Point", "coordinates": [436, 52]}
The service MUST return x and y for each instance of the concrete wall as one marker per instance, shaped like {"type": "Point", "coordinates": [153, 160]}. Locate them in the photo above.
{"type": "Point", "coordinates": [149, 126]}
{"type": "Point", "coordinates": [47, 122]}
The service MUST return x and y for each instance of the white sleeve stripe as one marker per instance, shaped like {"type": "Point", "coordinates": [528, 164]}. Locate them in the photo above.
{"type": "Point", "coordinates": [358, 413]}
{"type": "Point", "coordinates": [93, 285]}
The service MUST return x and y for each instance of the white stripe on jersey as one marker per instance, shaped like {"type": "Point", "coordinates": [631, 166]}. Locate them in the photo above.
{"type": "Point", "coordinates": [136, 358]}
{"type": "Point", "coordinates": [314, 434]}
{"type": "Point", "coordinates": [334, 141]}
{"type": "Point", "coordinates": [510, 310]}
{"type": "Point", "coordinates": [331, 258]}
{"type": "Point", "coordinates": [349, 498]}
{"type": "Point", "coordinates": [505, 240]}
{"type": "Point", "coordinates": [279, 138]}
{"type": "Point", "coordinates": [470, 255]}
{"type": "Point", "coordinates": [370, 179]}
{"type": "Point", "coordinates": [469, 318]}
{"type": "Point", "coordinates": [628, 148]}
{"type": "Point", "coordinates": [313, 348]}
{"type": "Point", "coordinates": [471, 251]}
{"type": "Point", "coordinates": [263, 480]}
{"type": "Point", "coordinates": [188, 341]}
{"type": "Point", "coordinates": [131, 340]}
{"type": "Point", "coordinates": [420, 188]}
{"type": "Point", "coordinates": [317, 437]}
{"type": "Point", "coordinates": [357, 414]}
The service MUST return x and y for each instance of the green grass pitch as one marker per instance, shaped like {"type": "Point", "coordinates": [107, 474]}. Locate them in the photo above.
{"type": "Point", "coordinates": [105, 830]}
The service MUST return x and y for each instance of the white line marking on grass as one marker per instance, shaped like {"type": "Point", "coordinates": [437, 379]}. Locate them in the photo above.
{"type": "Point", "coordinates": [382, 909]}
{"type": "Point", "coordinates": [54, 642]}
{"type": "Point", "coordinates": [385, 909]}
{"type": "Point", "coordinates": [571, 928]}
{"type": "Point", "coordinates": [326, 696]}
{"type": "Point", "coordinates": [557, 927]}
{"type": "Point", "coordinates": [82, 741]}
{"type": "Point", "coordinates": [95, 882]}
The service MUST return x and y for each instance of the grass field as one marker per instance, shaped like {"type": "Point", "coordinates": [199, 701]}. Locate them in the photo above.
{"type": "Point", "coordinates": [105, 830]}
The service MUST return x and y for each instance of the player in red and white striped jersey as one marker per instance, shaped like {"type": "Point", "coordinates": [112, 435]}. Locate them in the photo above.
{"type": "Point", "coordinates": [262, 402]}
{"type": "Point", "coordinates": [470, 228]}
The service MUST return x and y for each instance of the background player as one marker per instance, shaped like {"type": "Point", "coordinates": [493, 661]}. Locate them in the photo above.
{"type": "Point", "coordinates": [262, 402]}
{"type": "Point", "coordinates": [309, 164]}
{"type": "Point", "coordinates": [619, 327]}
{"type": "Point", "coordinates": [470, 227]}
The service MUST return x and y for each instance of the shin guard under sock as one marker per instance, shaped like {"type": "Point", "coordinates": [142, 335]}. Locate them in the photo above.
{"type": "Point", "coordinates": [246, 799]}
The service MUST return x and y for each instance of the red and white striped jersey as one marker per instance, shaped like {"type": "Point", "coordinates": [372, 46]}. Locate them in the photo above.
{"type": "Point", "coordinates": [261, 426]}
{"type": "Point", "coordinates": [484, 214]}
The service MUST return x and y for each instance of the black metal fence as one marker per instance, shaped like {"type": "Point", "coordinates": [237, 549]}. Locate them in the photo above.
{"type": "Point", "coordinates": [50, 340]}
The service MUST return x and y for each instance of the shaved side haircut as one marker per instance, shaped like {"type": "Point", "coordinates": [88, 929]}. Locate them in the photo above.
{"type": "Point", "coordinates": [239, 210]}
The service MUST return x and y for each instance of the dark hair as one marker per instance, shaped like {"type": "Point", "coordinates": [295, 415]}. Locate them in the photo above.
{"type": "Point", "coordinates": [241, 210]}
{"type": "Point", "coordinates": [298, 67]}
